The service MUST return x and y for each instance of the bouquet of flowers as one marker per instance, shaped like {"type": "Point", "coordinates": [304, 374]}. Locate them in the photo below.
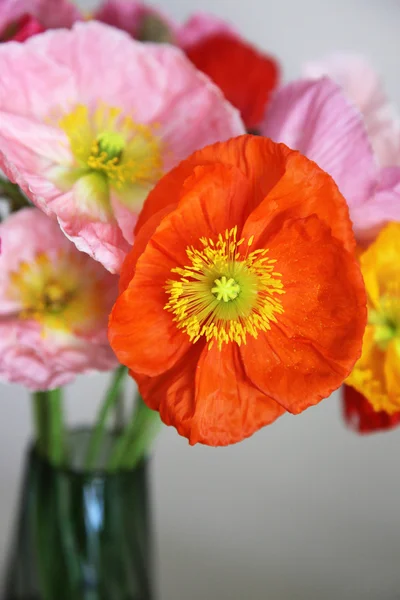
{"type": "Point", "coordinates": [172, 212]}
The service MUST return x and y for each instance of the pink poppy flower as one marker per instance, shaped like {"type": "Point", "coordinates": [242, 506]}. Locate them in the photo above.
{"type": "Point", "coordinates": [54, 305]}
{"type": "Point", "coordinates": [21, 19]}
{"type": "Point", "coordinates": [362, 85]}
{"type": "Point", "coordinates": [316, 117]}
{"type": "Point", "coordinates": [98, 119]}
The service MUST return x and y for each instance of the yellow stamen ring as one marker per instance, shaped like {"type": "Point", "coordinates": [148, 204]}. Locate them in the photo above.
{"type": "Point", "coordinates": [225, 295]}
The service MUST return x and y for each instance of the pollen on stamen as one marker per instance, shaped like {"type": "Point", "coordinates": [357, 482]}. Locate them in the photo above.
{"type": "Point", "coordinates": [139, 159]}
{"type": "Point", "coordinates": [223, 295]}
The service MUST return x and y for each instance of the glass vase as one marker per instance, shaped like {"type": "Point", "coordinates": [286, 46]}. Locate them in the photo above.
{"type": "Point", "coordinates": [80, 535]}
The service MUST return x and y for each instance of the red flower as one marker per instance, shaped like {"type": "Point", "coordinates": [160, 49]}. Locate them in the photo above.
{"type": "Point", "coordinates": [245, 76]}
{"type": "Point", "coordinates": [361, 416]}
{"type": "Point", "coordinates": [22, 29]}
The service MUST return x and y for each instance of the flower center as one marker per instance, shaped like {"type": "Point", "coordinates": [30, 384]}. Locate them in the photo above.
{"type": "Point", "coordinates": [54, 298]}
{"type": "Point", "coordinates": [58, 291]}
{"type": "Point", "coordinates": [225, 289]}
{"type": "Point", "coordinates": [43, 295]}
{"type": "Point", "coordinates": [111, 144]}
{"type": "Point", "coordinates": [106, 142]}
{"type": "Point", "coordinates": [225, 293]}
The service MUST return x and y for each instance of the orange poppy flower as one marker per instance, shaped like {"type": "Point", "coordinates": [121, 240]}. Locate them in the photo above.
{"type": "Point", "coordinates": [245, 76]}
{"type": "Point", "coordinates": [238, 300]}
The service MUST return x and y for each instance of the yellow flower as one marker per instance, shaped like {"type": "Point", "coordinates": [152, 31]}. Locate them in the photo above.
{"type": "Point", "coordinates": [377, 373]}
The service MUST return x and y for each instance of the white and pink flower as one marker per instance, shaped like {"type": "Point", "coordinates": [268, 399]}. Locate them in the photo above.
{"type": "Point", "coordinates": [97, 120]}
{"type": "Point", "coordinates": [54, 305]}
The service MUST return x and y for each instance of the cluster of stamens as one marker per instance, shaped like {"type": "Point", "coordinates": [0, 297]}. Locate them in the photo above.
{"type": "Point", "coordinates": [226, 292]}
{"type": "Point", "coordinates": [124, 151]}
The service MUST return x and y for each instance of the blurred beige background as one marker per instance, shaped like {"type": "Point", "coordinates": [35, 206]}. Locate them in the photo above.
{"type": "Point", "coordinates": [304, 510]}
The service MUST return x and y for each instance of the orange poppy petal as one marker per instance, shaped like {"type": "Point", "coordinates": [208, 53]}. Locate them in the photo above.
{"type": "Point", "coordinates": [172, 392]}
{"type": "Point", "coordinates": [220, 407]}
{"type": "Point", "coordinates": [302, 191]}
{"type": "Point", "coordinates": [316, 341]}
{"type": "Point", "coordinates": [259, 159]}
{"type": "Point", "coordinates": [141, 240]}
{"type": "Point", "coordinates": [228, 406]}
{"type": "Point", "coordinates": [136, 325]}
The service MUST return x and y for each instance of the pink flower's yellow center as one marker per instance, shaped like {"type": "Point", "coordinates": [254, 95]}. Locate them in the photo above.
{"type": "Point", "coordinates": [226, 292]}
{"type": "Point", "coordinates": [57, 293]}
{"type": "Point", "coordinates": [114, 146]}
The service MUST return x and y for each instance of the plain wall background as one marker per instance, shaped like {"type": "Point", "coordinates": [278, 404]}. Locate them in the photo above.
{"type": "Point", "coordinates": [304, 510]}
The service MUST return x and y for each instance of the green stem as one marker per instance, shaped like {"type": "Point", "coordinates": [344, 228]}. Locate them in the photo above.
{"type": "Point", "coordinates": [100, 427]}
{"type": "Point", "coordinates": [147, 429]}
{"type": "Point", "coordinates": [39, 402]}
{"type": "Point", "coordinates": [135, 441]}
{"type": "Point", "coordinates": [56, 441]}
{"type": "Point", "coordinates": [119, 413]}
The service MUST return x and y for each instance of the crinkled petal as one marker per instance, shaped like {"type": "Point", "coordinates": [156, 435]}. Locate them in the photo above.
{"type": "Point", "coordinates": [362, 84]}
{"type": "Point", "coordinates": [315, 118]}
{"type": "Point", "coordinates": [301, 192]}
{"type": "Point", "coordinates": [382, 208]}
{"type": "Point", "coordinates": [209, 398]}
{"type": "Point", "coordinates": [315, 342]}
{"type": "Point", "coordinates": [37, 364]}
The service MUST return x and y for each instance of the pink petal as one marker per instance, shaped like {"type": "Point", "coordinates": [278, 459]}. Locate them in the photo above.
{"type": "Point", "coordinates": [363, 86]}
{"type": "Point", "coordinates": [383, 207]}
{"type": "Point", "coordinates": [102, 241]}
{"type": "Point", "coordinates": [198, 110]}
{"type": "Point", "coordinates": [315, 118]}
{"type": "Point", "coordinates": [126, 218]}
